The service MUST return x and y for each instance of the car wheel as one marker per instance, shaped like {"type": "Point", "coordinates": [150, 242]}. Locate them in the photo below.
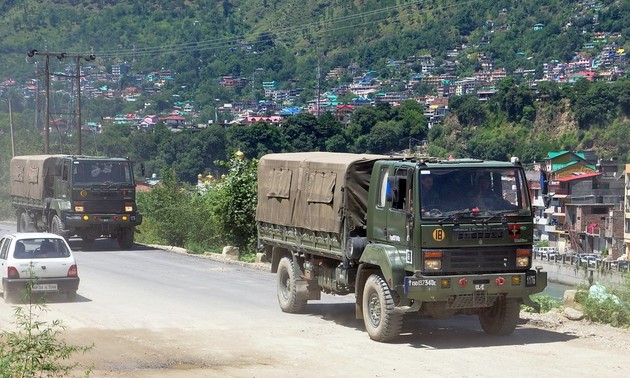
{"type": "Point", "coordinates": [9, 296]}
{"type": "Point", "coordinates": [71, 296]}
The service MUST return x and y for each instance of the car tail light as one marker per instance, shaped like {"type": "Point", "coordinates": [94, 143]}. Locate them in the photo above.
{"type": "Point", "coordinates": [12, 272]}
{"type": "Point", "coordinates": [73, 272]}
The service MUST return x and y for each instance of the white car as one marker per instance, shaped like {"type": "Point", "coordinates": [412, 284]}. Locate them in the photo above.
{"type": "Point", "coordinates": [43, 260]}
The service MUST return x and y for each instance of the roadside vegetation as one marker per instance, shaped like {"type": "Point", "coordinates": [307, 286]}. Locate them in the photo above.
{"type": "Point", "coordinates": [203, 218]}
{"type": "Point", "coordinates": [35, 348]}
{"type": "Point", "coordinates": [610, 305]}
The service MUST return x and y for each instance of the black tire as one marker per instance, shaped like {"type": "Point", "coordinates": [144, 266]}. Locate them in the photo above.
{"type": "Point", "coordinates": [71, 296]}
{"type": "Point", "coordinates": [502, 318]}
{"type": "Point", "coordinates": [288, 297]}
{"type": "Point", "coordinates": [56, 226]}
{"type": "Point", "coordinates": [24, 223]}
{"type": "Point", "coordinates": [88, 239]}
{"type": "Point", "coordinates": [19, 222]}
{"type": "Point", "coordinates": [125, 238]}
{"type": "Point", "coordinates": [9, 296]}
{"type": "Point", "coordinates": [383, 321]}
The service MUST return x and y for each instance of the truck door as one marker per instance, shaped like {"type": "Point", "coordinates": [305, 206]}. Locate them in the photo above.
{"type": "Point", "coordinates": [399, 229]}
{"type": "Point", "coordinates": [62, 177]}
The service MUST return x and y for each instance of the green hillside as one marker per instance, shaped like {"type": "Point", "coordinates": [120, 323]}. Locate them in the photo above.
{"type": "Point", "coordinates": [202, 41]}
{"type": "Point", "coordinates": [209, 39]}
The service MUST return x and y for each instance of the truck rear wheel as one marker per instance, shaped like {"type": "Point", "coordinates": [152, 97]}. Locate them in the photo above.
{"type": "Point", "coordinates": [125, 238]}
{"type": "Point", "coordinates": [500, 319]}
{"type": "Point", "coordinates": [383, 321]}
{"type": "Point", "coordinates": [289, 298]}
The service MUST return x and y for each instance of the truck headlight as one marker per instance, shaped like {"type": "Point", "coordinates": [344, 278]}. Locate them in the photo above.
{"type": "Point", "coordinates": [432, 259]}
{"type": "Point", "coordinates": [128, 208]}
{"type": "Point", "coordinates": [79, 208]}
{"type": "Point", "coordinates": [432, 264]}
{"type": "Point", "coordinates": [65, 205]}
{"type": "Point", "coordinates": [522, 261]}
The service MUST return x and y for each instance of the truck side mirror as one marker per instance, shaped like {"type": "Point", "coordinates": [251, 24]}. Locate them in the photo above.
{"type": "Point", "coordinates": [544, 182]}
{"type": "Point", "coordinates": [392, 189]}
{"type": "Point", "coordinates": [547, 200]}
{"type": "Point", "coordinates": [544, 188]}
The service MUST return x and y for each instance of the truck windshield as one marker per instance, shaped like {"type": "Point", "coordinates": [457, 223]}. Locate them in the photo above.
{"type": "Point", "coordinates": [101, 172]}
{"type": "Point", "coordinates": [473, 192]}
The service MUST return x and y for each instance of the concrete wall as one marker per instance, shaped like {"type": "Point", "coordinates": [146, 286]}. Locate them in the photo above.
{"type": "Point", "coordinates": [573, 275]}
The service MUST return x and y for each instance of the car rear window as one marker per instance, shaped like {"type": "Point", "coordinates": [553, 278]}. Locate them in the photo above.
{"type": "Point", "coordinates": [40, 248]}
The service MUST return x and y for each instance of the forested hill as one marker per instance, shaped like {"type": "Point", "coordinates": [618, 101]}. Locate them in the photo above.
{"type": "Point", "coordinates": [206, 39]}
{"type": "Point", "coordinates": [291, 41]}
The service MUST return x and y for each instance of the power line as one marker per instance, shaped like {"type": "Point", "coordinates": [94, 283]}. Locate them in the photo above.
{"type": "Point", "coordinates": [320, 27]}
{"type": "Point", "coordinates": [61, 56]}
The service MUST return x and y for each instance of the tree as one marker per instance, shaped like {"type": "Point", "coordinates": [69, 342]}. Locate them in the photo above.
{"type": "Point", "coordinates": [469, 110]}
{"type": "Point", "coordinates": [301, 130]}
{"type": "Point", "coordinates": [386, 137]}
{"type": "Point", "coordinates": [234, 203]}
{"type": "Point", "coordinates": [257, 139]}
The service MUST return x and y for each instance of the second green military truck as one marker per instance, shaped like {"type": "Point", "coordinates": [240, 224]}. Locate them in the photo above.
{"type": "Point", "coordinates": [69, 195]}
{"type": "Point", "coordinates": [436, 237]}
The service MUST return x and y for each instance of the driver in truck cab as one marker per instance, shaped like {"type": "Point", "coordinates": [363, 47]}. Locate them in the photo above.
{"type": "Point", "coordinates": [430, 197]}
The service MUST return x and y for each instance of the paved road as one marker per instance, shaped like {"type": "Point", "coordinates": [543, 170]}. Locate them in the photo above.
{"type": "Point", "coordinates": [159, 313]}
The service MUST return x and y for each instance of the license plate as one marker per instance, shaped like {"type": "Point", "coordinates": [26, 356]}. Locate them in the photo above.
{"type": "Point", "coordinates": [44, 287]}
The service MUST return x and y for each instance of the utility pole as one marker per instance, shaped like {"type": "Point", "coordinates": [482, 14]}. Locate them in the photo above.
{"type": "Point", "coordinates": [78, 104]}
{"type": "Point", "coordinates": [11, 125]}
{"type": "Point", "coordinates": [319, 75]}
{"type": "Point", "coordinates": [61, 56]}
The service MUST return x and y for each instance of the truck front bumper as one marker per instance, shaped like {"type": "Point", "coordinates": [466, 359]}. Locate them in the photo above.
{"type": "Point", "coordinates": [475, 287]}
{"type": "Point", "coordinates": [78, 221]}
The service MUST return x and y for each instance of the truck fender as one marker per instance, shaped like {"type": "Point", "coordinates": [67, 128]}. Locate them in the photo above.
{"type": "Point", "coordinates": [278, 253]}
{"type": "Point", "coordinates": [388, 259]}
{"type": "Point", "coordinates": [378, 259]}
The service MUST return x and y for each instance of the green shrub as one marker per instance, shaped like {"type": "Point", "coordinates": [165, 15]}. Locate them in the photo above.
{"type": "Point", "coordinates": [613, 309]}
{"type": "Point", "coordinates": [609, 311]}
{"type": "Point", "coordinates": [224, 214]}
{"type": "Point", "coordinates": [35, 349]}
{"type": "Point", "coordinates": [546, 303]}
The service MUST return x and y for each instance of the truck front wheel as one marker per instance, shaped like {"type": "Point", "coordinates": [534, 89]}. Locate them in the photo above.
{"type": "Point", "coordinates": [56, 226]}
{"type": "Point", "coordinates": [500, 319]}
{"type": "Point", "coordinates": [383, 321]}
{"type": "Point", "coordinates": [289, 298]}
{"type": "Point", "coordinates": [125, 238]}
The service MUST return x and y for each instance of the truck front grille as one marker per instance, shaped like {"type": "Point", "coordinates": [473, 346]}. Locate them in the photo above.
{"type": "Point", "coordinates": [104, 207]}
{"type": "Point", "coordinates": [495, 234]}
{"type": "Point", "coordinates": [489, 259]}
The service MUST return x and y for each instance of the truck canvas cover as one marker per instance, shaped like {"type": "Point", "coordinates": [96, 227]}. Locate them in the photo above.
{"type": "Point", "coordinates": [314, 190]}
{"type": "Point", "coordinates": [29, 173]}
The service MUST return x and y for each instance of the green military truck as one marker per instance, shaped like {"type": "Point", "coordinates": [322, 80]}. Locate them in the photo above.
{"type": "Point", "coordinates": [367, 224]}
{"type": "Point", "coordinates": [68, 195]}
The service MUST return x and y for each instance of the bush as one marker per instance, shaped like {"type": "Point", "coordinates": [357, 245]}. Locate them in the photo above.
{"type": "Point", "coordinates": [546, 303]}
{"type": "Point", "coordinates": [35, 348]}
{"type": "Point", "coordinates": [613, 308]}
{"type": "Point", "coordinates": [222, 213]}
